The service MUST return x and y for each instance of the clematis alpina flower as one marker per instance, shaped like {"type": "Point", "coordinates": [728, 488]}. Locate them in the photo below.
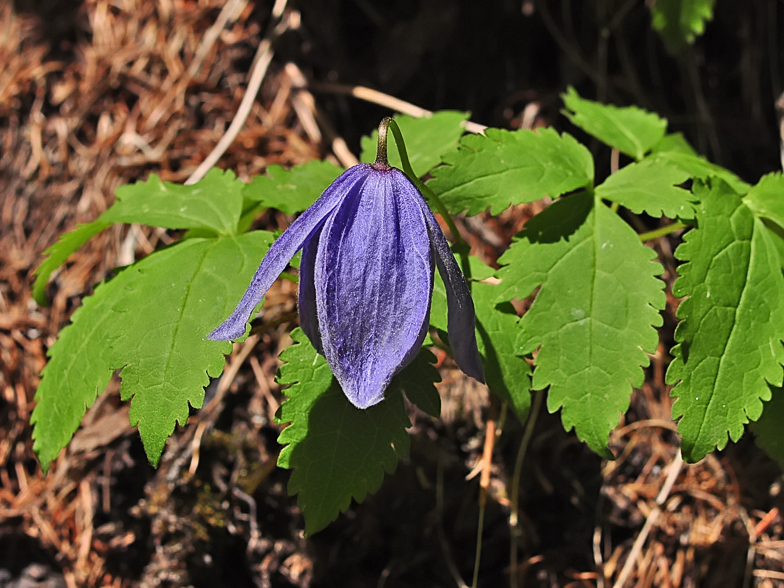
{"type": "Point", "coordinates": [369, 246]}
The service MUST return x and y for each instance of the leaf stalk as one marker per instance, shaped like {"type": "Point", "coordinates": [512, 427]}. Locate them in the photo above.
{"type": "Point", "coordinates": [662, 231]}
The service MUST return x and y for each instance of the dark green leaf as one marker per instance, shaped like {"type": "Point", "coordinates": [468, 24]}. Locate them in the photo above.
{"type": "Point", "coordinates": [593, 318]}
{"type": "Point", "coordinates": [417, 381]}
{"type": "Point", "coordinates": [674, 142]}
{"type": "Point", "coordinates": [211, 206]}
{"type": "Point", "coordinates": [151, 322]}
{"type": "Point", "coordinates": [510, 167]}
{"type": "Point", "coordinates": [292, 191]}
{"type": "Point", "coordinates": [77, 371]}
{"type": "Point", "coordinates": [338, 451]}
{"type": "Point", "coordinates": [766, 199]}
{"type": "Point", "coordinates": [729, 339]}
{"type": "Point", "coordinates": [777, 238]}
{"type": "Point", "coordinates": [769, 429]}
{"type": "Point", "coordinates": [680, 21]}
{"type": "Point", "coordinates": [507, 373]}
{"type": "Point", "coordinates": [630, 130]}
{"type": "Point", "coordinates": [699, 168]}
{"type": "Point", "coordinates": [214, 203]}
{"type": "Point", "coordinates": [650, 186]}
{"type": "Point", "coordinates": [58, 253]}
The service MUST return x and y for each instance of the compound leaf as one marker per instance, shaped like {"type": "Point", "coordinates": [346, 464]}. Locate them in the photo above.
{"type": "Point", "coordinates": [59, 253]}
{"type": "Point", "coordinates": [510, 167]}
{"type": "Point", "coordinates": [593, 318]}
{"type": "Point", "coordinates": [292, 191]}
{"type": "Point", "coordinates": [766, 199]}
{"type": "Point", "coordinates": [729, 339]}
{"type": "Point", "coordinates": [151, 322]}
{"type": "Point", "coordinates": [680, 21]}
{"type": "Point", "coordinates": [76, 372]}
{"type": "Point", "coordinates": [338, 451]}
{"type": "Point", "coordinates": [214, 203]}
{"type": "Point", "coordinates": [181, 294]}
{"type": "Point", "coordinates": [629, 129]}
{"type": "Point", "coordinates": [507, 373]}
{"type": "Point", "coordinates": [427, 138]}
{"type": "Point", "coordinates": [650, 186]}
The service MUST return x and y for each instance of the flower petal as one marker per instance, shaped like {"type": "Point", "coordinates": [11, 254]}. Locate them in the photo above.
{"type": "Point", "coordinates": [373, 277]}
{"type": "Point", "coordinates": [284, 248]}
{"type": "Point", "coordinates": [460, 305]}
{"type": "Point", "coordinates": [308, 315]}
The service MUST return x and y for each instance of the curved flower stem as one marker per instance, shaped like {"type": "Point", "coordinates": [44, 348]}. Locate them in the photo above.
{"type": "Point", "coordinates": [382, 161]}
{"type": "Point", "coordinates": [389, 123]}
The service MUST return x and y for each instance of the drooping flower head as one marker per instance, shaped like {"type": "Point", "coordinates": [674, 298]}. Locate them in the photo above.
{"type": "Point", "coordinates": [369, 247]}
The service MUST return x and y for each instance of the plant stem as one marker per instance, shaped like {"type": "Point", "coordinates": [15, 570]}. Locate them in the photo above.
{"type": "Point", "coordinates": [382, 161]}
{"type": "Point", "coordinates": [513, 519]}
{"type": "Point", "coordinates": [484, 484]}
{"type": "Point", "coordinates": [478, 555]}
{"type": "Point", "coordinates": [661, 231]}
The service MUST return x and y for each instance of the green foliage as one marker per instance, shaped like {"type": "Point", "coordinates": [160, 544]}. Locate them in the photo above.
{"type": "Point", "coordinates": [510, 167]}
{"type": "Point", "coordinates": [427, 140]}
{"type": "Point", "coordinates": [596, 299]}
{"type": "Point", "coordinates": [732, 322]}
{"type": "Point", "coordinates": [778, 241]}
{"type": "Point", "coordinates": [339, 452]}
{"type": "Point", "coordinates": [769, 429]}
{"type": "Point", "coordinates": [680, 21]}
{"type": "Point", "coordinates": [630, 130]}
{"type": "Point", "coordinates": [416, 382]}
{"type": "Point", "coordinates": [593, 318]}
{"type": "Point", "coordinates": [76, 372]}
{"type": "Point", "coordinates": [649, 186]}
{"type": "Point", "coordinates": [674, 142]}
{"type": "Point", "coordinates": [291, 191]}
{"type": "Point", "coordinates": [766, 199]}
{"type": "Point", "coordinates": [150, 322]}
{"type": "Point", "coordinates": [213, 204]}
{"type": "Point", "coordinates": [181, 294]}
{"type": "Point", "coordinates": [59, 253]}
{"type": "Point", "coordinates": [698, 167]}
{"type": "Point", "coordinates": [508, 375]}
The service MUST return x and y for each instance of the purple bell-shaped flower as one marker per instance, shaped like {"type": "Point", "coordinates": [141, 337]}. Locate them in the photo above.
{"type": "Point", "coordinates": [369, 247]}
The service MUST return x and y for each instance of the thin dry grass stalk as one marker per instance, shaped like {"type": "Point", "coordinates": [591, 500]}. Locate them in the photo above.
{"type": "Point", "coordinates": [689, 526]}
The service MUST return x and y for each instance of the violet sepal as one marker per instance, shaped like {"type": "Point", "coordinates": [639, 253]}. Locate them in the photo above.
{"type": "Point", "coordinates": [461, 319]}
{"type": "Point", "coordinates": [281, 252]}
